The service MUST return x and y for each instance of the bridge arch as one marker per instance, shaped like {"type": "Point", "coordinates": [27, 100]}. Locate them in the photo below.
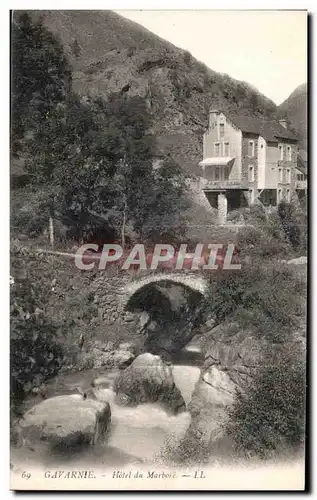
{"type": "Point", "coordinates": [193, 282]}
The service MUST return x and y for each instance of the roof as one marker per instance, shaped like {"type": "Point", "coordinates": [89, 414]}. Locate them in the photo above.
{"type": "Point", "coordinates": [216, 161]}
{"type": "Point", "coordinates": [303, 154]}
{"type": "Point", "coordinates": [268, 129]}
{"type": "Point", "coordinates": [301, 162]}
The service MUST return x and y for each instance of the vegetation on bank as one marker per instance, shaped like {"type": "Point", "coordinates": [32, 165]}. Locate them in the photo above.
{"type": "Point", "coordinates": [268, 416]}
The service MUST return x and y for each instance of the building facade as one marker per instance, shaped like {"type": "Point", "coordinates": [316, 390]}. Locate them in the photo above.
{"type": "Point", "coordinates": [247, 159]}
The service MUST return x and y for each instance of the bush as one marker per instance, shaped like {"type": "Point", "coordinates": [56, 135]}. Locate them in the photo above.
{"type": "Point", "coordinates": [40, 318]}
{"type": "Point", "coordinates": [35, 354]}
{"type": "Point", "coordinates": [301, 220]}
{"type": "Point", "coordinates": [286, 212]}
{"type": "Point", "coordinates": [266, 242]}
{"type": "Point", "coordinates": [268, 416]}
{"type": "Point", "coordinates": [187, 58]}
{"type": "Point", "coordinates": [267, 299]}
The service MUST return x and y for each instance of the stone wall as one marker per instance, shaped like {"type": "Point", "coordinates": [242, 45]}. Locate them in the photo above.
{"type": "Point", "coordinates": [110, 299]}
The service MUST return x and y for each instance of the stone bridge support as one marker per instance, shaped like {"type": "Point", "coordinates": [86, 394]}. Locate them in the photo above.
{"type": "Point", "coordinates": [112, 295]}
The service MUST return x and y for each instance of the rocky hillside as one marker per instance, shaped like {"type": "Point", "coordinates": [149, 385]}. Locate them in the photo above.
{"type": "Point", "coordinates": [295, 109]}
{"type": "Point", "coordinates": [111, 54]}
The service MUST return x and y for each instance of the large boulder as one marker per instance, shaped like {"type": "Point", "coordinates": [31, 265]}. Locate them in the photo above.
{"type": "Point", "coordinates": [107, 355]}
{"type": "Point", "coordinates": [231, 358]}
{"type": "Point", "coordinates": [66, 421]}
{"type": "Point", "coordinates": [149, 380]}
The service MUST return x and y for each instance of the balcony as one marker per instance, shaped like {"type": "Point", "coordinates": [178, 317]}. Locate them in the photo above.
{"type": "Point", "coordinates": [301, 184]}
{"type": "Point", "coordinates": [212, 185]}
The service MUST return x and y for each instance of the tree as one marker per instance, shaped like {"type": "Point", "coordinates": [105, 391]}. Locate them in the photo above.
{"type": "Point", "coordinates": [41, 78]}
{"type": "Point", "coordinates": [90, 158]}
{"type": "Point", "coordinates": [76, 50]}
{"type": "Point", "coordinates": [291, 229]}
{"type": "Point", "coordinates": [99, 170]}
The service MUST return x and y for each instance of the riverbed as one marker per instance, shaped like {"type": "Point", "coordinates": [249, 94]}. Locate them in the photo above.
{"type": "Point", "coordinates": [137, 434]}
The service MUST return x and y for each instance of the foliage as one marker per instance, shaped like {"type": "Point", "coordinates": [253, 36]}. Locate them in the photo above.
{"type": "Point", "coordinates": [290, 227]}
{"type": "Point", "coordinates": [41, 78]}
{"type": "Point", "coordinates": [76, 50]}
{"type": "Point", "coordinates": [35, 354]}
{"type": "Point", "coordinates": [300, 219]}
{"type": "Point", "coordinates": [91, 159]}
{"type": "Point", "coordinates": [109, 181]}
{"type": "Point", "coordinates": [269, 414]}
{"type": "Point", "coordinates": [266, 298]}
{"type": "Point", "coordinates": [263, 242]}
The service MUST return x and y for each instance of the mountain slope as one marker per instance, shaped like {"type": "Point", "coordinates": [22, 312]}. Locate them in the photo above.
{"type": "Point", "coordinates": [111, 54]}
{"type": "Point", "coordinates": [295, 109]}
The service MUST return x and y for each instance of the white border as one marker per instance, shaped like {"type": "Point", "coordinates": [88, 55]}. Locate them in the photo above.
{"type": "Point", "coordinates": [115, 5]}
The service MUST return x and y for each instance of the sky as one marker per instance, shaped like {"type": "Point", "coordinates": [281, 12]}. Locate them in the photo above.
{"type": "Point", "coordinates": [267, 49]}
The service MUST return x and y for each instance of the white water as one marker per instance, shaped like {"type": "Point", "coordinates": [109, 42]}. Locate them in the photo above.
{"type": "Point", "coordinates": [137, 434]}
{"type": "Point", "coordinates": [142, 431]}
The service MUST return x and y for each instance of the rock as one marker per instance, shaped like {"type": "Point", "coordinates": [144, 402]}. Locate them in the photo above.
{"type": "Point", "coordinates": [149, 380]}
{"type": "Point", "coordinates": [66, 421]}
{"type": "Point", "coordinates": [213, 395]}
{"type": "Point", "coordinates": [126, 346]}
{"type": "Point", "coordinates": [231, 357]}
{"type": "Point", "coordinates": [299, 261]}
{"type": "Point", "coordinates": [105, 355]}
{"type": "Point", "coordinates": [122, 359]}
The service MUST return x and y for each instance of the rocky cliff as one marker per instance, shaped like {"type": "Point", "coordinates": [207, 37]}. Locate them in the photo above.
{"type": "Point", "coordinates": [111, 54]}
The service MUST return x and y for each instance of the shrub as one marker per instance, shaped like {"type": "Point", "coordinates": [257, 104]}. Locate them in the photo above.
{"type": "Point", "coordinates": [76, 49]}
{"type": "Point", "coordinates": [269, 298]}
{"type": "Point", "coordinates": [131, 51]}
{"type": "Point", "coordinates": [301, 220]}
{"type": "Point", "coordinates": [264, 242]}
{"type": "Point", "coordinates": [286, 212]}
{"type": "Point", "coordinates": [268, 415]}
{"type": "Point", "coordinates": [187, 58]}
{"type": "Point", "coordinates": [35, 354]}
{"type": "Point", "coordinates": [41, 317]}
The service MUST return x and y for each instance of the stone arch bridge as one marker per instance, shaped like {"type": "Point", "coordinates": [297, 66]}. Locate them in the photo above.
{"type": "Point", "coordinates": [113, 289]}
{"type": "Point", "coordinates": [113, 295]}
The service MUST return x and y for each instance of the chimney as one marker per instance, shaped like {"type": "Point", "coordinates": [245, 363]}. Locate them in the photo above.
{"type": "Point", "coordinates": [283, 123]}
{"type": "Point", "coordinates": [213, 117]}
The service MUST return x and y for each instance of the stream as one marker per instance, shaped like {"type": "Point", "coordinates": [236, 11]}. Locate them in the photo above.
{"type": "Point", "coordinates": [137, 434]}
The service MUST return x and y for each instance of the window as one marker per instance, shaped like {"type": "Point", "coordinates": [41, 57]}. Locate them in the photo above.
{"type": "Point", "coordinates": [280, 175]}
{"type": "Point", "coordinates": [217, 174]}
{"type": "Point", "coordinates": [251, 195]}
{"type": "Point", "coordinates": [300, 177]}
{"type": "Point", "coordinates": [226, 149]}
{"type": "Point", "coordinates": [288, 195]}
{"type": "Point", "coordinates": [279, 195]}
{"type": "Point", "coordinates": [251, 148]}
{"type": "Point", "coordinates": [251, 173]}
{"type": "Point", "coordinates": [217, 148]}
{"type": "Point", "coordinates": [280, 151]}
{"type": "Point", "coordinates": [289, 153]}
{"type": "Point", "coordinates": [288, 176]}
{"type": "Point", "coordinates": [221, 130]}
